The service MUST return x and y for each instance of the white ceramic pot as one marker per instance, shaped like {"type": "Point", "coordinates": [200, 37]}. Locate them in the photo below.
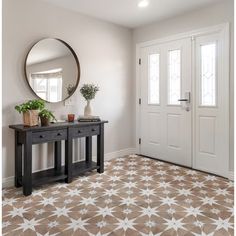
{"type": "Point", "coordinates": [88, 109]}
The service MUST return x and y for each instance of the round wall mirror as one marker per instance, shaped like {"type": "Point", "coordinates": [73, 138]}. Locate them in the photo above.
{"type": "Point", "coordinates": [52, 70]}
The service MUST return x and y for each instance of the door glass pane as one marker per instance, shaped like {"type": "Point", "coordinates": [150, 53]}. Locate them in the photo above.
{"type": "Point", "coordinates": [208, 75]}
{"type": "Point", "coordinates": [154, 77]}
{"type": "Point", "coordinates": [174, 78]}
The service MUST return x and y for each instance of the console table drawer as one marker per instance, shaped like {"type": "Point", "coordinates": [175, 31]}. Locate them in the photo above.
{"type": "Point", "coordinates": [49, 136]}
{"type": "Point", "coordinates": [85, 131]}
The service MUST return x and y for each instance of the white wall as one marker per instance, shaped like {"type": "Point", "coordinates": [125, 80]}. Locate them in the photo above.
{"type": "Point", "coordinates": [216, 14]}
{"type": "Point", "coordinates": [105, 54]}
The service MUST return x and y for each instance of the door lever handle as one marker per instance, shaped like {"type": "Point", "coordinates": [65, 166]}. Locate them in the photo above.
{"type": "Point", "coordinates": [186, 99]}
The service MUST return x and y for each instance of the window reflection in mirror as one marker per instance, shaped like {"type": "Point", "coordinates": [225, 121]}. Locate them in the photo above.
{"type": "Point", "coordinates": [47, 84]}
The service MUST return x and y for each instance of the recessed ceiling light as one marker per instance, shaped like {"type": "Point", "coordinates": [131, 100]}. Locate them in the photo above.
{"type": "Point", "coordinates": [143, 3]}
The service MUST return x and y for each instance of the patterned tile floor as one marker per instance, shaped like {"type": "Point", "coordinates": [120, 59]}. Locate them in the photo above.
{"type": "Point", "coordinates": [134, 196]}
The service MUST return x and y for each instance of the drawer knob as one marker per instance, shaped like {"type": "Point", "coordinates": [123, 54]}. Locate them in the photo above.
{"type": "Point", "coordinates": [79, 131]}
{"type": "Point", "coordinates": [59, 134]}
{"type": "Point", "coordinates": [93, 130]}
{"type": "Point", "coordinates": [42, 136]}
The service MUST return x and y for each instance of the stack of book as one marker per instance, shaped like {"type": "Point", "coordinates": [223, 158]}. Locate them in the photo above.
{"type": "Point", "coordinates": [89, 118]}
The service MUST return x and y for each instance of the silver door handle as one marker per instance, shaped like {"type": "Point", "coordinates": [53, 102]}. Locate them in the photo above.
{"type": "Point", "coordinates": [186, 99]}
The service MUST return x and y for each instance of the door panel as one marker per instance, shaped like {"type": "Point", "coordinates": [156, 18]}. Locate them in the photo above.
{"type": "Point", "coordinates": [173, 130]}
{"type": "Point", "coordinates": [212, 102]}
{"type": "Point", "coordinates": [207, 132]}
{"type": "Point", "coordinates": [151, 129]}
{"type": "Point", "coordinates": [165, 122]}
{"type": "Point", "coordinates": [154, 124]}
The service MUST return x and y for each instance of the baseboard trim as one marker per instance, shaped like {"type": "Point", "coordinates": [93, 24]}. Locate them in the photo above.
{"type": "Point", "coordinates": [112, 155]}
{"type": "Point", "coordinates": [231, 175]}
{"type": "Point", "coordinates": [9, 181]}
{"type": "Point", "coordinates": [121, 153]}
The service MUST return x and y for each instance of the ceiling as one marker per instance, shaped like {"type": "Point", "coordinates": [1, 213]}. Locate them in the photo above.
{"type": "Point", "coordinates": [126, 12]}
{"type": "Point", "coordinates": [46, 50]}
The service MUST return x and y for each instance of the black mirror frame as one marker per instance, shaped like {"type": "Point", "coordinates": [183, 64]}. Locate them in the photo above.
{"type": "Point", "coordinates": [76, 60]}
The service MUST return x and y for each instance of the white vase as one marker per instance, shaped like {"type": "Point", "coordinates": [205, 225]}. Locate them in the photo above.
{"type": "Point", "coordinates": [88, 109]}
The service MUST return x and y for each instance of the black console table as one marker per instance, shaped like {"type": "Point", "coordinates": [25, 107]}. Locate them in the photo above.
{"type": "Point", "coordinates": [57, 132]}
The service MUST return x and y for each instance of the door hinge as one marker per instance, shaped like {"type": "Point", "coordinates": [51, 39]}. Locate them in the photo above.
{"type": "Point", "coordinates": [139, 61]}
{"type": "Point", "coordinates": [139, 101]}
{"type": "Point", "coordinates": [139, 141]}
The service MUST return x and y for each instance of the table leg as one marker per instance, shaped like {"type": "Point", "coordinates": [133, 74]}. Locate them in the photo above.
{"type": "Point", "coordinates": [27, 178]}
{"type": "Point", "coordinates": [68, 158]}
{"type": "Point", "coordinates": [18, 161]}
{"type": "Point", "coordinates": [100, 149]}
{"type": "Point", "coordinates": [88, 151]}
{"type": "Point", "coordinates": [57, 156]}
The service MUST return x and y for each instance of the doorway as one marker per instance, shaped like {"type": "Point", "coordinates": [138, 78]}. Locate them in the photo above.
{"type": "Point", "coordinates": [183, 99]}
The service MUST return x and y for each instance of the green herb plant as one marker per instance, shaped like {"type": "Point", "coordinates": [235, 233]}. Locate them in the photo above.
{"type": "Point", "coordinates": [45, 113]}
{"type": "Point", "coordinates": [89, 91]}
{"type": "Point", "coordinates": [36, 104]}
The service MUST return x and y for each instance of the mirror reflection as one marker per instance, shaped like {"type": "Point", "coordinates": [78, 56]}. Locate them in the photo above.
{"type": "Point", "coordinates": [52, 70]}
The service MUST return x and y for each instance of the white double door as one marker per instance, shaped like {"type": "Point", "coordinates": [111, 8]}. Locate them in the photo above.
{"type": "Point", "coordinates": [184, 103]}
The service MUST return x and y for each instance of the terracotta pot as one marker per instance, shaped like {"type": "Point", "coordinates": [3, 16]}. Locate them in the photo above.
{"type": "Point", "coordinates": [71, 117]}
{"type": "Point", "coordinates": [31, 118]}
{"type": "Point", "coordinates": [44, 121]}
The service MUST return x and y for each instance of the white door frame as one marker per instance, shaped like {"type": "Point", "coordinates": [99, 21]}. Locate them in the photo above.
{"type": "Point", "coordinates": [224, 30]}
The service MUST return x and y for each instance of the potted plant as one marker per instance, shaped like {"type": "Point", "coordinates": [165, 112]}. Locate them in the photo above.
{"type": "Point", "coordinates": [88, 91]}
{"type": "Point", "coordinates": [46, 117]}
{"type": "Point", "coordinates": [70, 89]}
{"type": "Point", "coordinates": [30, 110]}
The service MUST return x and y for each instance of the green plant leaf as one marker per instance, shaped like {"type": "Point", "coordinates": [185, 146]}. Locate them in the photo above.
{"type": "Point", "coordinates": [89, 91]}
{"type": "Point", "coordinates": [36, 104]}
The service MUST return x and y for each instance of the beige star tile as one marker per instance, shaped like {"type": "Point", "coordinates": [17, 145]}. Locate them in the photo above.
{"type": "Point", "coordinates": [224, 232]}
